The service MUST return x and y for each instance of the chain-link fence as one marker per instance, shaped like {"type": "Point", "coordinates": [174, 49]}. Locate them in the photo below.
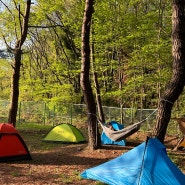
{"type": "Point", "coordinates": [56, 113]}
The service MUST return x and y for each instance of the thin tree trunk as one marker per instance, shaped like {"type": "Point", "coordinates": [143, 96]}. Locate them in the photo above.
{"type": "Point", "coordinates": [15, 88]}
{"type": "Point", "coordinates": [177, 82]}
{"type": "Point", "coordinates": [94, 141]}
{"type": "Point", "coordinates": [17, 64]}
{"type": "Point", "coordinates": [98, 98]}
{"type": "Point", "coordinates": [96, 84]}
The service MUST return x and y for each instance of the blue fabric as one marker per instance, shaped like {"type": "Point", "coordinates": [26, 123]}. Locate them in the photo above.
{"type": "Point", "coordinates": [143, 165]}
{"type": "Point", "coordinates": [107, 141]}
{"type": "Point", "coordinates": [116, 125]}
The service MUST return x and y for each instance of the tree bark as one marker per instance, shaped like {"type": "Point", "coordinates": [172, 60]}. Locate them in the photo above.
{"type": "Point", "coordinates": [17, 64]}
{"type": "Point", "coordinates": [94, 141]}
{"type": "Point", "coordinates": [97, 87]}
{"type": "Point", "coordinates": [177, 82]}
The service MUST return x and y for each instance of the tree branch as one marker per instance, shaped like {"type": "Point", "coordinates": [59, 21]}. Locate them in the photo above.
{"type": "Point", "coordinates": [51, 26]}
{"type": "Point", "coordinates": [18, 8]}
{"type": "Point", "coordinates": [10, 50]}
{"type": "Point", "coordinates": [19, 17]}
{"type": "Point", "coordinates": [25, 24]}
{"type": "Point", "coordinates": [12, 16]}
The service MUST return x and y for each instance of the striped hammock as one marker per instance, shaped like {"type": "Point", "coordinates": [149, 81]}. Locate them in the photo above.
{"type": "Point", "coordinates": [117, 135]}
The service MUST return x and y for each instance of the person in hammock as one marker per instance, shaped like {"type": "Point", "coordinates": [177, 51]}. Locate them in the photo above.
{"type": "Point", "coordinates": [109, 125]}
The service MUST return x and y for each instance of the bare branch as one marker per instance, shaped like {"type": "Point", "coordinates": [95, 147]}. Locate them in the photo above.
{"type": "Point", "coordinates": [50, 26]}
{"type": "Point", "coordinates": [7, 8]}
{"type": "Point", "coordinates": [18, 8]}
{"type": "Point", "coordinates": [25, 24]}
{"type": "Point", "coordinates": [11, 15]}
{"type": "Point", "coordinates": [20, 18]}
{"type": "Point", "coordinates": [11, 50]}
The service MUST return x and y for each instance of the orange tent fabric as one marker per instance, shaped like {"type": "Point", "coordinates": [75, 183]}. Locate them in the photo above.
{"type": "Point", "coordinates": [12, 146]}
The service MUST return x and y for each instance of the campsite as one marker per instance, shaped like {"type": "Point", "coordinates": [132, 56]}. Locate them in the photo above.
{"type": "Point", "coordinates": [56, 163]}
{"type": "Point", "coordinates": [92, 92]}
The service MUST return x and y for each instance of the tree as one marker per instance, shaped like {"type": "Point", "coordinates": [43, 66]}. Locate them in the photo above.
{"type": "Point", "coordinates": [52, 52]}
{"type": "Point", "coordinates": [94, 139]}
{"type": "Point", "coordinates": [131, 51]}
{"type": "Point", "coordinates": [20, 36]}
{"type": "Point", "coordinates": [177, 82]}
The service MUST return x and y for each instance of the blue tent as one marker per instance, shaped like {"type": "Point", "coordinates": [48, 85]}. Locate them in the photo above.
{"type": "Point", "coordinates": [107, 141]}
{"type": "Point", "coordinates": [146, 164]}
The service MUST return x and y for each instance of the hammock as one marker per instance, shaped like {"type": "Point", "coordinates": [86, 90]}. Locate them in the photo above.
{"type": "Point", "coordinates": [117, 135]}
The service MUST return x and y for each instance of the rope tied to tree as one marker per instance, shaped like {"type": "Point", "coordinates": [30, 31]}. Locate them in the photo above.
{"type": "Point", "coordinates": [166, 101]}
{"type": "Point", "coordinates": [117, 135]}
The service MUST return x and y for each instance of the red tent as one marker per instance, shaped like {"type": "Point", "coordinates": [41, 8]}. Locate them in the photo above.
{"type": "Point", "coordinates": [12, 146]}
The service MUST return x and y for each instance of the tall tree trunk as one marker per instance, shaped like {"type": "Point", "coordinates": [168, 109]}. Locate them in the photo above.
{"type": "Point", "coordinates": [17, 64]}
{"type": "Point", "coordinates": [177, 82]}
{"type": "Point", "coordinates": [96, 84]}
{"type": "Point", "coordinates": [15, 88]}
{"type": "Point", "coordinates": [98, 98]}
{"type": "Point", "coordinates": [94, 141]}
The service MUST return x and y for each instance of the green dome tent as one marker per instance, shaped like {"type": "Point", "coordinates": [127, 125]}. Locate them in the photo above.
{"type": "Point", "coordinates": [65, 133]}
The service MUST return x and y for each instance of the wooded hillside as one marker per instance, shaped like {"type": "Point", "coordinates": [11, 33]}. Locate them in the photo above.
{"type": "Point", "coordinates": [132, 52]}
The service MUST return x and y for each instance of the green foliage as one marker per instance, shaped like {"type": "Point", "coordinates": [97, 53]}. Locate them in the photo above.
{"type": "Point", "coordinates": [5, 78]}
{"type": "Point", "coordinates": [132, 51]}
{"type": "Point", "coordinates": [127, 31]}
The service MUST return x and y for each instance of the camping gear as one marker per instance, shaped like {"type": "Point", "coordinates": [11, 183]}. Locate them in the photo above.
{"type": "Point", "coordinates": [65, 133]}
{"type": "Point", "coordinates": [117, 135]}
{"type": "Point", "coordinates": [107, 141]}
{"type": "Point", "coordinates": [12, 146]}
{"type": "Point", "coordinates": [181, 143]}
{"type": "Point", "coordinates": [146, 164]}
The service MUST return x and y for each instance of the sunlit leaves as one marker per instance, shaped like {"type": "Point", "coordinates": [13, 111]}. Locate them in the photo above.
{"type": "Point", "coordinates": [132, 49]}
{"type": "Point", "coordinates": [5, 78]}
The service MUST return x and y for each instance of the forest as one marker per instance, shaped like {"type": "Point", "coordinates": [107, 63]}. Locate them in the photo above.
{"type": "Point", "coordinates": [131, 43]}
{"type": "Point", "coordinates": [87, 55]}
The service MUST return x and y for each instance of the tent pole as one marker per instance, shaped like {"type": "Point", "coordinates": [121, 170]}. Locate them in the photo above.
{"type": "Point", "coordinates": [142, 164]}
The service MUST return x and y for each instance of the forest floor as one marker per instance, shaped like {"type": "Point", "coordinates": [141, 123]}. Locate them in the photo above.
{"type": "Point", "coordinates": [61, 164]}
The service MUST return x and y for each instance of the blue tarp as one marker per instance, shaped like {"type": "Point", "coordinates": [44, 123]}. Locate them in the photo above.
{"type": "Point", "coordinates": [107, 141]}
{"type": "Point", "coordinates": [146, 164]}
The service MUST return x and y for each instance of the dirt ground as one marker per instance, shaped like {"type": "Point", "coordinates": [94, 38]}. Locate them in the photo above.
{"type": "Point", "coordinates": [63, 164]}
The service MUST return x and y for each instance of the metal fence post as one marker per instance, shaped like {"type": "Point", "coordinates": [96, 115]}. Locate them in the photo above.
{"type": "Point", "coordinates": [71, 116]}
{"type": "Point", "coordinates": [44, 119]}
